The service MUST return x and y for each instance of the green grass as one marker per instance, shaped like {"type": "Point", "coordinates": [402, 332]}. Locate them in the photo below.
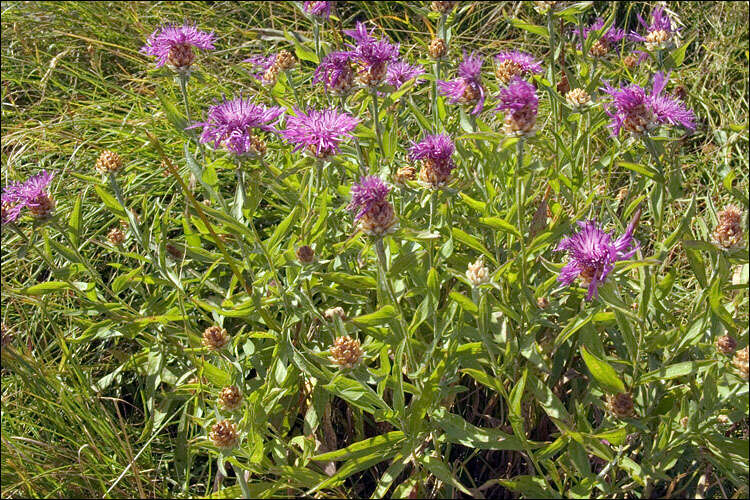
{"type": "Point", "coordinates": [96, 392]}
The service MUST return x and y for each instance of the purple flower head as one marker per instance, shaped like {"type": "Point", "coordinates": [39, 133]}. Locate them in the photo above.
{"type": "Point", "coordinates": [370, 190]}
{"type": "Point", "coordinates": [517, 96]}
{"type": "Point", "coordinates": [168, 40]}
{"type": "Point", "coordinates": [261, 62]}
{"type": "Point", "coordinates": [31, 194]}
{"type": "Point", "coordinates": [526, 61]}
{"type": "Point", "coordinates": [467, 88]}
{"type": "Point", "coordinates": [434, 147]}
{"type": "Point", "coordinates": [611, 37]}
{"type": "Point", "coordinates": [401, 72]}
{"type": "Point", "coordinates": [360, 33]}
{"type": "Point", "coordinates": [335, 71]}
{"type": "Point", "coordinates": [231, 124]}
{"type": "Point", "coordinates": [373, 53]}
{"type": "Point", "coordinates": [659, 31]}
{"type": "Point", "coordinates": [638, 111]}
{"type": "Point", "coordinates": [319, 131]}
{"type": "Point", "coordinates": [320, 9]}
{"type": "Point", "coordinates": [592, 254]}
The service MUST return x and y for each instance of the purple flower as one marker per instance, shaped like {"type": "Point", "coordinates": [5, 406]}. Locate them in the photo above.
{"type": "Point", "coordinates": [319, 131]}
{"type": "Point", "coordinates": [519, 102]}
{"type": "Point", "coordinates": [610, 38]}
{"type": "Point", "coordinates": [592, 254]}
{"type": "Point", "coordinates": [320, 9]}
{"type": "Point", "coordinates": [400, 72]}
{"type": "Point", "coordinates": [434, 147]}
{"type": "Point", "coordinates": [368, 192]}
{"type": "Point", "coordinates": [31, 194]}
{"type": "Point", "coordinates": [660, 32]}
{"type": "Point", "coordinates": [637, 111]}
{"type": "Point", "coordinates": [373, 55]}
{"type": "Point", "coordinates": [525, 61]}
{"type": "Point", "coordinates": [171, 44]}
{"type": "Point", "coordinates": [335, 71]}
{"type": "Point", "coordinates": [360, 33]}
{"type": "Point", "coordinates": [231, 124]}
{"type": "Point", "coordinates": [467, 88]}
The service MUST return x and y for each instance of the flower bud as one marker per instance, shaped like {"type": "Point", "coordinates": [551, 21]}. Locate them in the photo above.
{"type": "Point", "coordinates": [215, 338]}
{"type": "Point", "coordinates": [305, 254]}
{"type": "Point", "coordinates": [477, 273]}
{"type": "Point", "coordinates": [563, 87]}
{"type": "Point", "coordinates": [405, 173]}
{"type": "Point", "coordinates": [332, 312]}
{"type": "Point", "coordinates": [542, 302]}
{"type": "Point", "coordinates": [116, 236]}
{"type": "Point", "coordinates": [726, 344]}
{"type": "Point", "coordinates": [630, 61]}
{"type": "Point", "coordinates": [740, 361]}
{"type": "Point", "coordinates": [108, 162]}
{"type": "Point", "coordinates": [346, 352]}
{"type": "Point", "coordinates": [437, 48]}
{"type": "Point", "coordinates": [285, 60]}
{"type": "Point", "coordinates": [224, 434]}
{"type": "Point", "coordinates": [621, 405]}
{"type": "Point", "coordinates": [578, 98]}
{"type": "Point", "coordinates": [728, 234]}
{"type": "Point", "coordinates": [230, 398]}
{"type": "Point", "coordinates": [599, 48]}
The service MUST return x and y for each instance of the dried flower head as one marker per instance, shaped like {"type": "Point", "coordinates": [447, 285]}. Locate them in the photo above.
{"type": "Point", "coordinates": [173, 45]}
{"type": "Point", "coordinates": [305, 254]}
{"type": "Point", "coordinates": [578, 98]}
{"type": "Point", "coordinates": [233, 125]}
{"type": "Point", "coordinates": [116, 236]}
{"type": "Point", "coordinates": [593, 254]}
{"type": "Point", "coordinates": [563, 86]}
{"type": "Point", "coordinates": [740, 361]}
{"type": "Point", "coordinates": [31, 194]}
{"type": "Point", "coordinates": [630, 61]}
{"type": "Point", "coordinates": [637, 111]}
{"type": "Point", "coordinates": [437, 48]}
{"type": "Point", "coordinates": [334, 312]}
{"type": "Point", "coordinates": [108, 162]}
{"type": "Point", "coordinates": [224, 435]}
{"type": "Point", "coordinates": [515, 63]}
{"type": "Point", "coordinates": [434, 152]}
{"type": "Point", "coordinates": [660, 33]}
{"type": "Point", "coordinates": [477, 273]}
{"type": "Point", "coordinates": [230, 398]}
{"type": "Point", "coordinates": [467, 88]}
{"type": "Point", "coordinates": [374, 212]}
{"type": "Point", "coordinates": [285, 60]}
{"type": "Point", "coordinates": [215, 338]}
{"type": "Point", "coordinates": [319, 8]}
{"type": "Point", "coordinates": [346, 352]}
{"type": "Point", "coordinates": [621, 405]}
{"type": "Point", "coordinates": [319, 132]}
{"type": "Point", "coordinates": [404, 174]}
{"type": "Point", "coordinates": [728, 234]}
{"type": "Point", "coordinates": [726, 345]}
{"type": "Point", "coordinates": [335, 72]}
{"type": "Point", "coordinates": [542, 302]}
{"type": "Point", "coordinates": [519, 101]}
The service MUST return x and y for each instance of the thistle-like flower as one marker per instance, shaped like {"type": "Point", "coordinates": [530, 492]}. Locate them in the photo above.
{"type": "Point", "coordinates": [519, 102]}
{"type": "Point", "coordinates": [726, 345]}
{"type": "Point", "coordinates": [477, 273]}
{"type": "Point", "coordinates": [659, 32]}
{"type": "Point", "coordinates": [740, 361]}
{"type": "Point", "coordinates": [31, 194]}
{"type": "Point", "coordinates": [108, 162]}
{"type": "Point", "coordinates": [232, 125]}
{"type": "Point", "coordinates": [305, 254]}
{"type": "Point", "coordinates": [434, 152]}
{"type": "Point", "coordinates": [621, 405]}
{"type": "Point", "coordinates": [515, 63]}
{"type": "Point", "coordinates": [467, 88]}
{"type": "Point", "coordinates": [173, 45]}
{"type": "Point", "coordinates": [637, 111]}
{"type": "Point", "coordinates": [319, 132]}
{"type": "Point", "coordinates": [728, 234]}
{"type": "Point", "coordinates": [224, 435]}
{"type": "Point", "coordinates": [215, 338]}
{"type": "Point", "coordinates": [335, 72]}
{"type": "Point", "coordinates": [373, 211]}
{"type": "Point", "coordinates": [267, 69]}
{"type": "Point", "coordinates": [437, 48]}
{"type": "Point", "coordinates": [116, 236]}
{"type": "Point", "coordinates": [578, 98]}
{"type": "Point", "coordinates": [230, 398]}
{"type": "Point", "coordinates": [346, 352]}
{"type": "Point", "coordinates": [372, 55]}
{"type": "Point", "coordinates": [592, 254]}
{"type": "Point", "coordinates": [319, 9]}
{"type": "Point", "coordinates": [606, 42]}
{"type": "Point", "coordinates": [400, 72]}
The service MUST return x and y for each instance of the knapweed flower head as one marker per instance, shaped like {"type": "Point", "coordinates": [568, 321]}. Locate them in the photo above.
{"type": "Point", "coordinates": [371, 207]}
{"type": "Point", "coordinates": [335, 72]}
{"type": "Point", "coordinates": [515, 63]}
{"type": "Point", "coordinates": [728, 233]}
{"type": "Point", "coordinates": [659, 32]}
{"type": "Point", "coordinates": [232, 125]}
{"type": "Point", "coordinates": [266, 68]}
{"type": "Point", "coordinates": [592, 254]}
{"type": "Point", "coordinates": [319, 132]}
{"type": "Point", "coordinates": [519, 102]}
{"type": "Point", "coordinates": [435, 153]}
{"type": "Point", "coordinates": [467, 88]}
{"type": "Point", "coordinates": [31, 194]}
{"type": "Point", "coordinates": [372, 55]}
{"type": "Point", "coordinates": [173, 45]}
{"type": "Point", "coordinates": [638, 111]}
{"type": "Point", "coordinates": [320, 9]}
{"type": "Point", "coordinates": [608, 40]}
{"type": "Point", "coordinates": [400, 72]}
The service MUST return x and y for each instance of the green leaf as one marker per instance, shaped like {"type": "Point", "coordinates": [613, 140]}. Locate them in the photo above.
{"type": "Point", "coordinates": [174, 116]}
{"type": "Point", "coordinates": [649, 172]}
{"type": "Point", "coordinates": [464, 302]}
{"type": "Point", "coordinates": [379, 317]}
{"type": "Point", "coordinates": [442, 472]}
{"type": "Point", "coordinates": [676, 370]}
{"type": "Point", "coordinates": [500, 225]}
{"type": "Point", "coordinates": [458, 430]}
{"type": "Point", "coordinates": [361, 448]}
{"type": "Point", "coordinates": [531, 28]}
{"type": "Point", "coordinates": [603, 373]}
{"type": "Point", "coordinates": [472, 242]}
{"type": "Point", "coordinates": [529, 486]}
{"type": "Point", "coordinates": [351, 281]}
{"type": "Point", "coordinates": [109, 201]}
{"type": "Point", "coordinates": [45, 288]}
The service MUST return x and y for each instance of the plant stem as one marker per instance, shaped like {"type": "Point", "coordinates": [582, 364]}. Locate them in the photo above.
{"type": "Point", "coordinates": [521, 229]}
{"type": "Point", "coordinates": [240, 473]}
{"type": "Point", "coordinates": [376, 121]}
{"type": "Point", "coordinates": [383, 275]}
{"type": "Point", "coordinates": [290, 82]}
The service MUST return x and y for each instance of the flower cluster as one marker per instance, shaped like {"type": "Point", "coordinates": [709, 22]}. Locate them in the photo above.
{"type": "Point", "coordinates": [319, 132]}
{"type": "Point", "coordinates": [31, 194]}
{"type": "Point", "coordinates": [400, 72]}
{"type": "Point", "coordinates": [173, 45]}
{"type": "Point", "coordinates": [467, 88]}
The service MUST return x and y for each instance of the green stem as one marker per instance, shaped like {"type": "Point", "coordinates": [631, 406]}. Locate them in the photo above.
{"type": "Point", "coordinates": [521, 229]}
{"type": "Point", "coordinates": [240, 473]}
{"type": "Point", "coordinates": [383, 275]}
{"type": "Point", "coordinates": [290, 82]}
{"type": "Point", "coordinates": [376, 121]}
{"type": "Point", "coordinates": [183, 79]}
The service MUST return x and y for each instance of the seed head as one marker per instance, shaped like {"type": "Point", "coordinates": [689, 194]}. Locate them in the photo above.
{"type": "Point", "coordinates": [405, 173]}
{"type": "Point", "coordinates": [437, 48]}
{"type": "Point", "coordinates": [621, 405]}
{"type": "Point", "coordinates": [285, 60]}
{"type": "Point", "coordinates": [116, 236]}
{"type": "Point", "coordinates": [332, 312]}
{"type": "Point", "coordinates": [215, 338]}
{"type": "Point", "coordinates": [109, 162]}
{"type": "Point", "coordinates": [728, 234]}
{"type": "Point", "coordinates": [230, 398]}
{"type": "Point", "coordinates": [740, 361]}
{"type": "Point", "coordinates": [305, 254]}
{"type": "Point", "coordinates": [224, 434]}
{"type": "Point", "coordinates": [346, 352]}
{"type": "Point", "coordinates": [726, 344]}
{"type": "Point", "coordinates": [477, 273]}
{"type": "Point", "coordinates": [578, 98]}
